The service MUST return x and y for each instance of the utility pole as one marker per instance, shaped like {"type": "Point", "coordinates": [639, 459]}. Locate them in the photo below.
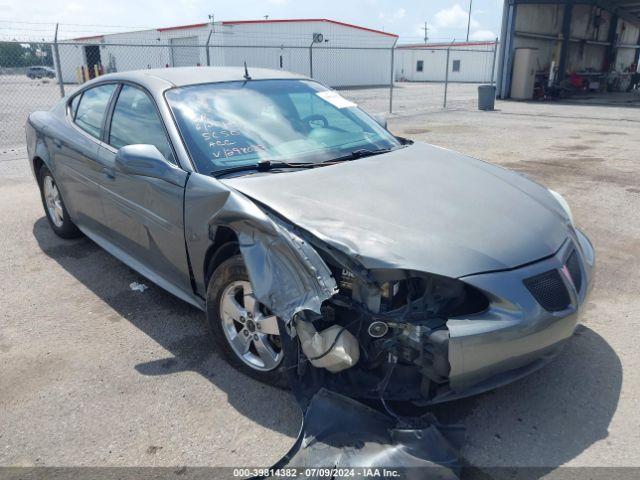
{"type": "Point", "coordinates": [426, 32]}
{"type": "Point", "coordinates": [469, 19]}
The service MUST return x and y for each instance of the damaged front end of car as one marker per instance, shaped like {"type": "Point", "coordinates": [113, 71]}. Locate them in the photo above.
{"type": "Point", "coordinates": [366, 334]}
{"type": "Point", "coordinates": [377, 335]}
{"type": "Point", "coordinates": [396, 323]}
{"type": "Point", "coordinates": [388, 334]}
{"type": "Point", "coordinates": [344, 332]}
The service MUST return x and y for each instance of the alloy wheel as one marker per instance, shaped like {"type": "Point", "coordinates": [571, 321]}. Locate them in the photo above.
{"type": "Point", "coordinates": [53, 201]}
{"type": "Point", "coordinates": [252, 331]}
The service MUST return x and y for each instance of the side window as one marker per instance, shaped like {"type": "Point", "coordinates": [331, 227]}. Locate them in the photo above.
{"type": "Point", "coordinates": [419, 65]}
{"type": "Point", "coordinates": [456, 66]}
{"type": "Point", "coordinates": [135, 120]}
{"type": "Point", "coordinates": [74, 105]}
{"type": "Point", "coordinates": [92, 108]}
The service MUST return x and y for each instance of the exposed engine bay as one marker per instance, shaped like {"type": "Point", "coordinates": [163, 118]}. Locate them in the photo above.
{"type": "Point", "coordinates": [383, 334]}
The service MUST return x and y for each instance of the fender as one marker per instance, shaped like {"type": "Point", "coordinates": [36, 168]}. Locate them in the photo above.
{"type": "Point", "coordinates": [287, 274]}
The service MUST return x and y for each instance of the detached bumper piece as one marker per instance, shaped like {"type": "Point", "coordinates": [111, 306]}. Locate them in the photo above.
{"type": "Point", "coordinates": [341, 438]}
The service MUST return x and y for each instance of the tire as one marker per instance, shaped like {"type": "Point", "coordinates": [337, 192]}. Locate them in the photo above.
{"type": "Point", "coordinates": [54, 208]}
{"type": "Point", "coordinates": [231, 311]}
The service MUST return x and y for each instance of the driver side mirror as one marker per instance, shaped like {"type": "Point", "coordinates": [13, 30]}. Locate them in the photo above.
{"type": "Point", "coordinates": [147, 161]}
{"type": "Point", "coordinates": [381, 120]}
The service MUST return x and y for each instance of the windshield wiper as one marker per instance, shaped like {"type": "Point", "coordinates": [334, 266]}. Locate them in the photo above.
{"type": "Point", "coordinates": [266, 165]}
{"type": "Point", "coordinates": [360, 153]}
{"type": "Point", "coordinates": [262, 166]}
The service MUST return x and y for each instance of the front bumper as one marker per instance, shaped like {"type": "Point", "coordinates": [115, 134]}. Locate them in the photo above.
{"type": "Point", "coordinates": [516, 335]}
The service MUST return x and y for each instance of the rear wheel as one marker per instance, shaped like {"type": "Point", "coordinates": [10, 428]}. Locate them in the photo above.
{"type": "Point", "coordinates": [244, 329]}
{"type": "Point", "coordinates": [54, 208]}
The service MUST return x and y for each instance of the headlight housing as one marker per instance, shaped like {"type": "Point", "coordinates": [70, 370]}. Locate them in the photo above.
{"type": "Point", "coordinates": [563, 203]}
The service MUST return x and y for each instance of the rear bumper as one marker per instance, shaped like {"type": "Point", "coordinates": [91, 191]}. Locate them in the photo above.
{"type": "Point", "coordinates": [515, 335]}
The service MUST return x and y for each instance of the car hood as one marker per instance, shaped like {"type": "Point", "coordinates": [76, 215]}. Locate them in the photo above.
{"type": "Point", "coordinates": [421, 208]}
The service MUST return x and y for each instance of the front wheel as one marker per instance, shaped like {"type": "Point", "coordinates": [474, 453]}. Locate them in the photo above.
{"type": "Point", "coordinates": [244, 329]}
{"type": "Point", "coordinates": [54, 208]}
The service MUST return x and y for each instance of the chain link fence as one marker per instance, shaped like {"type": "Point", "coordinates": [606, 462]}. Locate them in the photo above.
{"type": "Point", "coordinates": [440, 76]}
{"type": "Point", "coordinates": [402, 81]}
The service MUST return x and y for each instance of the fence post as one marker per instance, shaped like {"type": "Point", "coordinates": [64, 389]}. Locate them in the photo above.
{"type": "Point", "coordinates": [207, 48]}
{"type": "Point", "coordinates": [393, 49]}
{"type": "Point", "coordinates": [446, 79]}
{"type": "Point", "coordinates": [493, 64]}
{"type": "Point", "coordinates": [56, 54]}
{"type": "Point", "coordinates": [311, 58]}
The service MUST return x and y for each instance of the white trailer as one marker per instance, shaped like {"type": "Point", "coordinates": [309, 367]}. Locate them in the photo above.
{"type": "Point", "coordinates": [467, 62]}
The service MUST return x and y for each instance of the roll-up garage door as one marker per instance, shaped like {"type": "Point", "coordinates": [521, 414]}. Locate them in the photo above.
{"type": "Point", "coordinates": [185, 56]}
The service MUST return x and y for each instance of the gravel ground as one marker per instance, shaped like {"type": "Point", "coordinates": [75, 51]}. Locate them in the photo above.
{"type": "Point", "coordinates": [92, 373]}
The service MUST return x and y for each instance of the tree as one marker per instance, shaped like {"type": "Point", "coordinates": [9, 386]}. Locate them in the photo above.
{"type": "Point", "coordinates": [12, 54]}
{"type": "Point", "coordinates": [38, 54]}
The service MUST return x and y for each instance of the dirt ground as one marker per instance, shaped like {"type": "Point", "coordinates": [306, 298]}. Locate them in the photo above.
{"type": "Point", "coordinates": [93, 373]}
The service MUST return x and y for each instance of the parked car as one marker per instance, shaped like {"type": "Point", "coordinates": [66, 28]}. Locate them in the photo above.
{"type": "Point", "coordinates": [310, 235]}
{"type": "Point", "coordinates": [40, 72]}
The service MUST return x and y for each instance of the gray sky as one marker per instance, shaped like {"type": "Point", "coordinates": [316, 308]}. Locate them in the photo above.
{"type": "Point", "coordinates": [447, 19]}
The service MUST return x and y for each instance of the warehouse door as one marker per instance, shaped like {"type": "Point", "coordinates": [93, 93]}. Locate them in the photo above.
{"type": "Point", "coordinates": [94, 63]}
{"type": "Point", "coordinates": [184, 55]}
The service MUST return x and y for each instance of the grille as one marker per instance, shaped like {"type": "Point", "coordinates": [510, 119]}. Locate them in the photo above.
{"type": "Point", "coordinates": [549, 290]}
{"type": "Point", "coordinates": [573, 265]}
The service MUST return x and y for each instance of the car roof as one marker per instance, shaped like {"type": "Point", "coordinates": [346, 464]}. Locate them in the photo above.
{"type": "Point", "coordinates": [181, 76]}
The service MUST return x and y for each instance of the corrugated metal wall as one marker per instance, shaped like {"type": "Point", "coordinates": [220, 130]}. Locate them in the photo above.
{"type": "Point", "coordinates": [347, 57]}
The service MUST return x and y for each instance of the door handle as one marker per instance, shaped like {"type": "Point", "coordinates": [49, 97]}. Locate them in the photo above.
{"type": "Point", "coordinates": [108, 172]}
{"type": "Point", "coordinates": [57, 142]}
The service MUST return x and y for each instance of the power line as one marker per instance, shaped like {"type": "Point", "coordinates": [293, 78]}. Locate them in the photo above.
{"type": "Point", "coordinates": [72, 24]}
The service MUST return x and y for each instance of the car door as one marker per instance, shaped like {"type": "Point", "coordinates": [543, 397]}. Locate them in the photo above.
{"type": "Point", "coordinates": [74, 149]}
{"type": "Point", "coordinates": [144, 215]}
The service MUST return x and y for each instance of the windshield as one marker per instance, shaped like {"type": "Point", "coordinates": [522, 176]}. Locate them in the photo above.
{"type": "Point", "coordinates": [233, 124]}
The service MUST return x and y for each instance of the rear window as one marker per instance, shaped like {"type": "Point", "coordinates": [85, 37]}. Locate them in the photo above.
{"type": "Point", "coordinates": [92, 109]}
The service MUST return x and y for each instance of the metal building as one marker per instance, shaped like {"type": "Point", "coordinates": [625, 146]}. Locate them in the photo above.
{"type": "Point", "coordinates": [587, 45]}
{"type": "Point", "coordinates": [465, 62]}
{"type": "Point", "coordinates": [336, 53]}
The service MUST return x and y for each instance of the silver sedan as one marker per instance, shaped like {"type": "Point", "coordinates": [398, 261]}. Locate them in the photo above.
{"type": "Point", "coordinates": [311, 236]}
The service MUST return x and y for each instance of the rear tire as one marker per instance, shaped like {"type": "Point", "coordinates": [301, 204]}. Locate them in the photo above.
{"type": "Point", "coordinates": [54, 207]}
{"type": "Point", "coordinates": [244, 330]}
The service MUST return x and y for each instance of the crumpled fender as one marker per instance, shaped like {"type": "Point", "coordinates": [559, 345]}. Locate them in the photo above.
{"type": "Point", "coordinates": [287, 274]}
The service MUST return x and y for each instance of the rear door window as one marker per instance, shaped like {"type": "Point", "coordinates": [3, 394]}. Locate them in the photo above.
{"type": "Point", "coordinates": [93, 108]}
{"type": "Point", "coordinates": [74, 105]}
